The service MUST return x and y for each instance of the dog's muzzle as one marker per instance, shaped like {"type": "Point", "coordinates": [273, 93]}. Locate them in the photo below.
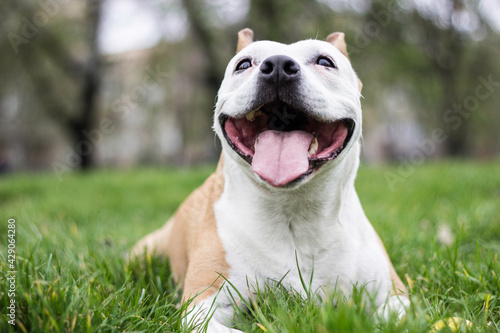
{"type": "Point", "coordinates": [281, 140]}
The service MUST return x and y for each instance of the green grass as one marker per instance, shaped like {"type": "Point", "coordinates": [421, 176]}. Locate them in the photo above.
{"type": "Point", "coordinates": [71, 237]}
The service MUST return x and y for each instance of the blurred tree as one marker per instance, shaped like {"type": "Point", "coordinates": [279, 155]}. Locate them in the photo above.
{"type": "Point", "coordinates": [271, 20]}
{"type": "Point", "coordinates": [206, 35]}
{"type": "Point", "coordinates": [435, 48]}
{"type": "Point", "coordinates": [63, 65]}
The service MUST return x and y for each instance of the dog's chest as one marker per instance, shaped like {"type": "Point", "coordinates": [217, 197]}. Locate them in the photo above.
{"type": "Point", "coordinates": [274, 240]}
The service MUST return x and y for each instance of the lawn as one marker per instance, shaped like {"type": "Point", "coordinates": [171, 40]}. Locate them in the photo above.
{"type": "Point", "coordinates": [440, 224]}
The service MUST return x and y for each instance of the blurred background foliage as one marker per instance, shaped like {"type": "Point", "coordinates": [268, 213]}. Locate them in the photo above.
{"type": "Point", "coordinates": [117, 83]}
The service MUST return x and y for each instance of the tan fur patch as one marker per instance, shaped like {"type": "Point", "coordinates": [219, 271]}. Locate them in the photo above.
{"type": "Point", "coordinates": [245, 38]}
{"type": "Point", "coordinates": [337, 40]}
{"type": "Point", "coordinates": [398, 288]}
{"type": "Point", "coordinates": [203, 247]}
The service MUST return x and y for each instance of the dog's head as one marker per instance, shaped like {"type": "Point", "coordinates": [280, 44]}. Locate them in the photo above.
{"type": "Point", "coordinates": [284, 111]}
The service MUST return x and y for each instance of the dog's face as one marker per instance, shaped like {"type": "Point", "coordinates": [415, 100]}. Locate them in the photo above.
{"type": "Point", "coordinates": [284, 111]}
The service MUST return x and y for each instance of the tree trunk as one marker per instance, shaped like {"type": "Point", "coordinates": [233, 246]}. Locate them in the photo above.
{"type": "Point", "coordinates": [85, 124]}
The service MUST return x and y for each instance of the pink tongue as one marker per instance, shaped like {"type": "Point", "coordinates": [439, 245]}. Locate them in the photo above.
{"type": "Point", "coordinates": [281, 157]}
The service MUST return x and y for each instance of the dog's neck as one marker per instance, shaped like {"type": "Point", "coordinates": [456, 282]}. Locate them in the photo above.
{"type": "Point", "coordinates": [335, 185]}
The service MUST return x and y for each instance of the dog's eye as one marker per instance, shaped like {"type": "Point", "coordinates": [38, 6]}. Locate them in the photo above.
{"type": "Point", "coordinates": [244, 64]}
{"type": "Point", "coordinates": [325, 62]}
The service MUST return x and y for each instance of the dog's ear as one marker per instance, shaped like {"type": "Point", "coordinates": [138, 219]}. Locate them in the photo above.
{"type": "Point", "coordinates": [337, 40]}
{"type": "Point", "coordinates": [245, 38]}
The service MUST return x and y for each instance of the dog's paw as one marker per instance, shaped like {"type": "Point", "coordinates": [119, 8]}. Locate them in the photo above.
{"type": "Point", "coordinates": [215, 327]}
{"type": "Point", "coordinates": [218, 318]}
{"type": "Point", "coordinates": [396, 304]}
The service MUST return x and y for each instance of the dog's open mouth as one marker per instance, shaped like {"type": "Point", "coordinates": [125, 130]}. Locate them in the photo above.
{"type": "Point", "coordinates": [284, 144]}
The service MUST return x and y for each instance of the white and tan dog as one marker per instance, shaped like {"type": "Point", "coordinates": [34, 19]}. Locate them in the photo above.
{"type": "Point", "coordinates": [289, 118]}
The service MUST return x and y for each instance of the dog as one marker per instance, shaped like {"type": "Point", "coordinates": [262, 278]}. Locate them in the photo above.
{"type": "Point", "coordinates": [282, 201]}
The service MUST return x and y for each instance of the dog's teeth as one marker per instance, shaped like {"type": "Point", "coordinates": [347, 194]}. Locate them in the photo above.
{"type": "Point", "coordinates": [313, 148]}
{"type": "Point", "coordinates": [254, 114]}
{"type": "Point", "coordinates": [251, 115]}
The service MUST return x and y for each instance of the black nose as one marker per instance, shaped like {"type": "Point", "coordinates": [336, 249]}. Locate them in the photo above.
{"type": "Point", "coordinates": [279, 69]}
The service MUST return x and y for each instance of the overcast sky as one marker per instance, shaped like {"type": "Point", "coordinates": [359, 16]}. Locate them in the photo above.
{"type": "Point", "coordinates": [131, 24]}
{"type": "Point", "coordinates": [134, 24]}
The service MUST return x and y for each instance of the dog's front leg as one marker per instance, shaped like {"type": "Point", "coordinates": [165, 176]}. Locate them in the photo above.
{"type": "Point", "coordinates": [219, 317]}
{"type": "Point", "coordinates": [395, 304]}
{"type": "Point", "coordinates": [398, 302]}
{"type": "Point", "coordinates": [154, 243]}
